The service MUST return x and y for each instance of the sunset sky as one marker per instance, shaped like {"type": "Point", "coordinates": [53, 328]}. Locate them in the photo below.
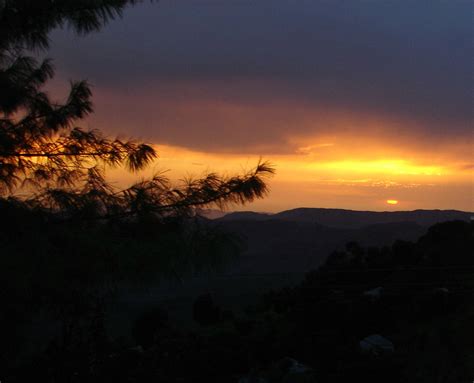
{"type": "Point", "coordinates": [355, 102]}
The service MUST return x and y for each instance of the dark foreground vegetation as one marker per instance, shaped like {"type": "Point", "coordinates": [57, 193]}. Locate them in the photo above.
{"type": "Point", "coordinates": [414, 300]}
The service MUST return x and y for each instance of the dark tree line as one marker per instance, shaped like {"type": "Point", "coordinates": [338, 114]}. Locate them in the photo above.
{"type": "Point", "coordinates": [424, 307]}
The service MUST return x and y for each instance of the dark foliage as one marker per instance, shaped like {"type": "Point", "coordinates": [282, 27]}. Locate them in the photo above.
{"type": "Point", "coordinates": [149, 326]}
{"type": "Point", "coordinates": [426, 311]}
{"type": "Point", "coordinates": [205, 311]}
{"type": "Point", "coordinates": [59, 165]}
{"type": "Point", "coordinates": [68, 237]}
{"type": "Point", "coordinates": [40, 143]}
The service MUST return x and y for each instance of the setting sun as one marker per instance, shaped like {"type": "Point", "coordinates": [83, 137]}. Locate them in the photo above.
{"type": "Point", "coordinates": [392, 202]}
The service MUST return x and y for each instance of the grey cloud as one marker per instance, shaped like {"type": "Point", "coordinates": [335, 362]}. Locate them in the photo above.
{"type": "Point", "coordinates": [411, 59]}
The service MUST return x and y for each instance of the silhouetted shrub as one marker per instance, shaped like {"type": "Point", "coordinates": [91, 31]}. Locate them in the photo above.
{"type": "Point", "coordinates": [148, 325]}
{"type": "Point", "coordinates": [205, 312]}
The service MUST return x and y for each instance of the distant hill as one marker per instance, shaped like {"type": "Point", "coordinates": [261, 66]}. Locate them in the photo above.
{"type": "Point", "coordinates": [246, 215]}
{"type": "Point", "coordinates": [280, 249]}
{"type": "Point", "coordinates": [339, 218]}
{"type": "Point", "coordinates": [300, 239]}
{"type": "Point", "coordinates": [278, 246]}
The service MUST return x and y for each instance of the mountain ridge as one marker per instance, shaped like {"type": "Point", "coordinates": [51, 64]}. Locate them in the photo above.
{"type": "Point", "coordinates": [345, 218]}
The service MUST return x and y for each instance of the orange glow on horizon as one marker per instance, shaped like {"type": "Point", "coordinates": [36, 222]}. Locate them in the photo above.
{"type": "Point", "coordinates": [347, 182]}
{"type": "Point", "coordinates": [326, 155]}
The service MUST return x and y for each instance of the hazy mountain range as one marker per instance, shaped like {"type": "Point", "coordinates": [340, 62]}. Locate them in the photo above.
{"type": "Point", "coordinates": [351, 218]}
{"type": "Point", "coordinates": [300, 239]}
{"type": "Point", "coordinates": [280, 248]}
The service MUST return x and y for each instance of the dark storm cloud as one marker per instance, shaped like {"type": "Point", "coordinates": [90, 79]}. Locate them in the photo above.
{"type": "Point", "coordinates": [408, 59]}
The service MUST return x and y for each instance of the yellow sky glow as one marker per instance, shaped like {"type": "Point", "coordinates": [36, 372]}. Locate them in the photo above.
{"type": "Point", "coordinates": [303, 180]}
{"type": "Point", "coordinates": [386, 167]}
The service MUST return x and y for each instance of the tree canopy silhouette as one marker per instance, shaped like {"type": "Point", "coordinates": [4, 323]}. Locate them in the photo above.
{"type": "Point", "coordinates": [45, 151]}
{"type": "Point", "coordinates": [52, 169]}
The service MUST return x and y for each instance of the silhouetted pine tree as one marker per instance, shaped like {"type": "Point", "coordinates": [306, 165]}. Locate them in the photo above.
{"type": "Point", "coordinates": [59, 166]}
{"type": "Point", "coordinates": [43, 149]}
